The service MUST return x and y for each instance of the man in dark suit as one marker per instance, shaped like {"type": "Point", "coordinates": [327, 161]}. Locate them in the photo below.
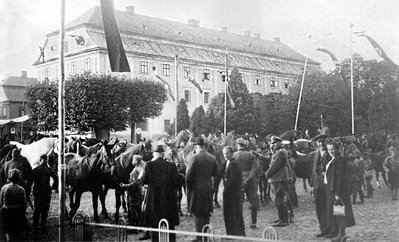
{"type": "Point", "coordinates": [320, 160]}
{"type": "Point", "coordinates": [249, 167]}
{"type": "Point", "coordinates": [201, 167]}
{"type": "Point", "coordinates": [162, 179]}
{"type": "Point", "coordinates": [232, 205]}
{"type": "Point", "coordinates": [278, 177]}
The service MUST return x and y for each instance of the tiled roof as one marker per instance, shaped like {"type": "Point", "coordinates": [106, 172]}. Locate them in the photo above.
{"type": "Point", "coordinates": [13, 88]}
{"type": "Point", "coordinates": [169, 30]}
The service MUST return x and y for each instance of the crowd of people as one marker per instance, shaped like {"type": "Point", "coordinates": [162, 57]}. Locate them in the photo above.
{"type": "Point", "coordinates": [338, 179]}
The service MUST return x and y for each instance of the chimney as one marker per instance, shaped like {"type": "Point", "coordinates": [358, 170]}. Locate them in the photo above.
{"type": "Point", "coordinates": [247, 33]}
{"type": "Point", "coordinates": [24, 74]}
{"type": "Point", "coordinates": [277, 40]}
{"type": "Point", "coordinates": [130, 9]}
{"type": "Point", "coordinates": [224, 29]}
{"type": "Point", "coordinates": [194, 22]}
{"type": "Point", "coordinates": [257, 35]}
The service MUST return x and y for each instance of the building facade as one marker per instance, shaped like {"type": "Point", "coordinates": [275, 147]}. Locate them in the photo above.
{"type": "Point", "coordinates": [151, 45]}
{"type": "Point", "coordinates": [13, 105]}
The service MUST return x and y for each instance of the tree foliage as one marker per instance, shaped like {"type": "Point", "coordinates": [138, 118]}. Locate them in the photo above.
{"type": "Point", "coordinates": [183, 119]}
{"type": "Point", "coordinates": [96, 101]}
{"type": "Point", "coordinates": [197, 121]}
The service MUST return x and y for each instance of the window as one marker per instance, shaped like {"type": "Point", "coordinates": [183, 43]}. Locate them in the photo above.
{"type": "Point", "coordinates": [257, 80]}
{"type": "Point", "coordinates": [166, 69]}
{"type": "Point", "coordinates": [186, 71]}
{"type": "Point", "coordinates": [273, 82]}
{"type": "Point", "coordinates": [206, 97]}
{"type": "Point", "coordinates": [166, 125]}
{"type": "Point", "coordinates": [4, 112]}
{"type": "Point", "coordinates": [242, 76]}
{"type": "Point", "coordinates": [46, 71]}
{"type": "Point", "coordinates": [87, 64]}
{"type": "Point", "coordinates": [286, 84]}
{"type": "Point", "coordinates": [207, 74]}
{"type": "Point", "coordinates": [144, 67]}
{"type": "Point", "coordinates": [223, 74]}
{"type": "Point", "coordinates": [73, 66]}
{"type": "Point", "coordinates": [187, 95]}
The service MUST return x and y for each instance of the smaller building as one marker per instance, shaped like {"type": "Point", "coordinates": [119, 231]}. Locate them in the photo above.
{"type": "Point", "coordinates": [13, 105]}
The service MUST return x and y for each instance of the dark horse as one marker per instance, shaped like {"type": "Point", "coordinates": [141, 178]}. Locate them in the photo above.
{"type": "Point", "coordinates": [112, 177]}
{"type": "Point", "coordinates": [84, 174]}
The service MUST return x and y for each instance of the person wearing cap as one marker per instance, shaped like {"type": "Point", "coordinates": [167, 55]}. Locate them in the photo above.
{"type": "Point", "coordinates": [22, 164]}
{"type": "Point", "coordinates": [162, 179]}
{"type": "Point", "coordinates": [42, 193]}
{"type": "Point", "coordinates": [134, 191]}
{"type": "Point", "coordinates": [278, 177]}
{"type": "Point", "coordinates": [232, 205]}
{"type": "Point", "coordinates": [13, 207]}
{"type": "Point", "coordinates": [249, 167]}
{"type": "Point", "coordinates": [318, 188]}
{"type": "Point", "coordinates": [200, 170]}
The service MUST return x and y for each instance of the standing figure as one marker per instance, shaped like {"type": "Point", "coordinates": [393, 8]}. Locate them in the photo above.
{"type": "Point", "coordinates": [391, 166]}
{"type": "Point", "coordinates": [320, 159]}
{"type": "Point", "coordinates": [162, 179]}
{"type": "Point", "coordinates": [134, 192]}
{"type": "Point", "coordinates": [201, 167]}
{"type": "Point", "coordinates": [338, 188]}
{"type": "Point", "coordinates": [42, 193]}
{"type": "Point", "coordinates": [232, 205]}
{"type": "Point", "coordinates": [13, 207]}
{"type": "Point", "coordinates": [353, 178]}
{"type": "Point", "coordinates": [357, 189]}
{"type": "Point", "coordinates": [278, 177]}
{"type": "Point", "coordinates": [368, 175]}
{"type": "Point", "coordinates": [249, 167]}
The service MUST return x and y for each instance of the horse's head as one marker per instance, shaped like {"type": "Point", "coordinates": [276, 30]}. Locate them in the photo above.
{"type": "Point", "coordinates": [146, 150]}
{"type": "Point", "coordinates": [94, 155]}
{"type": "Point", "coordinates": [5, 153]}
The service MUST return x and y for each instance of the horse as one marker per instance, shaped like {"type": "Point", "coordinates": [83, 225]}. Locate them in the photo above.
{"type": "Point", "coordinates": [377, 160]}
{"type": "Point", "coordinates": [34, 150]}
{"type": "Point", "coordinates": [84, 174]}
{"type": "Point", "coordinates": [111, 179]}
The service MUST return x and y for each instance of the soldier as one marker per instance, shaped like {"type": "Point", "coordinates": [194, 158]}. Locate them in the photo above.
{"type": "Point", "coordinates": [249, 178]}
{"type": "Point", "coordinates": [278, 177]}
{"type": "Point", "coordinates": [360, 173]}
{"type": "Point", "coordinates": [42, 193]}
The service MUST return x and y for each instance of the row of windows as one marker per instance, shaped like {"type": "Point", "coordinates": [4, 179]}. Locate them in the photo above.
{"type": "Point", "coordinates": [206, 74]}
{"type": "Point", "coordinates": [187, 96]}
{"type": "Point", "coordinates": [71, 68]}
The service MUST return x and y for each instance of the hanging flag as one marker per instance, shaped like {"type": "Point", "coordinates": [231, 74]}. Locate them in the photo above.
{"type": "Point", "coordinates": [167, 87]}
{"type": "Point", "coordinates": [192, 80]}
{"type": "Point", "coordinates": [335, 60]}
{"type": "Point", "coordinates": [377, 48]}
{"type": "Point", "coordinates": [79, 39]}
{"type": "Point", "coordinates": [116, 52]}
{"type": "Point", "coordinates": [229, 59]}
{"type": "Point", "coordinates": [232, 103]}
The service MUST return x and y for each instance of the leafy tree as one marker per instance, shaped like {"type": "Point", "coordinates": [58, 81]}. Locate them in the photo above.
{"type": "Point", "coordinates": [183, 119]}
{"type": "Point", "coordinates": [242, 117]}
{"type": "Point", "coordinates": [43, 104]}
{"type": "Point", "coordinates": [197, 121]}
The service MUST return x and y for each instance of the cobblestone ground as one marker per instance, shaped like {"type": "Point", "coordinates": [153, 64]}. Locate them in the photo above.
{"type": "Point", "coordinates": [376, 220]}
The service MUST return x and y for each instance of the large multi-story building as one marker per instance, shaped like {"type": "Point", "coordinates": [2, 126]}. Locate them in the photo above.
{"type": "Point", "coordinates": [266, 66]}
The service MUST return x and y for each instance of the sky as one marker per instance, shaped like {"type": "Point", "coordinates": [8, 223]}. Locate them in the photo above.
{"type": "Point", "coordinates": [25, 23]}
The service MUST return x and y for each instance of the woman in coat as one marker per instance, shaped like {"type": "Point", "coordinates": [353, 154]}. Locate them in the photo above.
{"type": "Point", "coordinates": [338, 187]}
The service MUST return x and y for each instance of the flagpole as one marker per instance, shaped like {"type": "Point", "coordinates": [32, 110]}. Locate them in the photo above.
{"type": "Point", "coordinates": [352, 101]}
{"type": "Point", "coordinates": [301, 90]}
{"type": "Point", "coordinates": [225, 97]}
{"type": "Point", "coordinates": [176, 92]}
{"type": "Point", "coordinates": [61, 128]}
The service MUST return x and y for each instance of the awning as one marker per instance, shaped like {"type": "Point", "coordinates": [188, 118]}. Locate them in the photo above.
{"type": "Point", "coordinates": [15, 120]}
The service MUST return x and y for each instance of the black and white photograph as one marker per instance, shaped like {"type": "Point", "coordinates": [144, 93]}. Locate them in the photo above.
{"type": "Point", "coordinates": [199, 120]}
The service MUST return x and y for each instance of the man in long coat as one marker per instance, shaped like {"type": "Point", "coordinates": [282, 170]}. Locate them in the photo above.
{"type": "Point", "coordinates": [278, 177]}
{"type": "Point", "coordinates": [162, 179]}
{"type": "Point", "coordinates": [201, 168]}
{"type": "Point", "coordinates": [320, 159]}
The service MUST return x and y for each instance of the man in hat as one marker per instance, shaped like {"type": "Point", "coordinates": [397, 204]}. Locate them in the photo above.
{"type": "Point", "coordinates": [278, 177]}
{"type": "Point", "coordinates": [249, 179]}
{"type": "Point", "coordinates": [162, 179]}
{"type": "Point", "coordinates": [42, 193]}
{"type": "Point", "coordinates": [320, 160]}
{"type": "Point", "coordinates": [200, 170]}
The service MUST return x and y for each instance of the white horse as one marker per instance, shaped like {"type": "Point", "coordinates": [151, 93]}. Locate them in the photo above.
{"type": "Point", "coordinates": [33, 151]}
